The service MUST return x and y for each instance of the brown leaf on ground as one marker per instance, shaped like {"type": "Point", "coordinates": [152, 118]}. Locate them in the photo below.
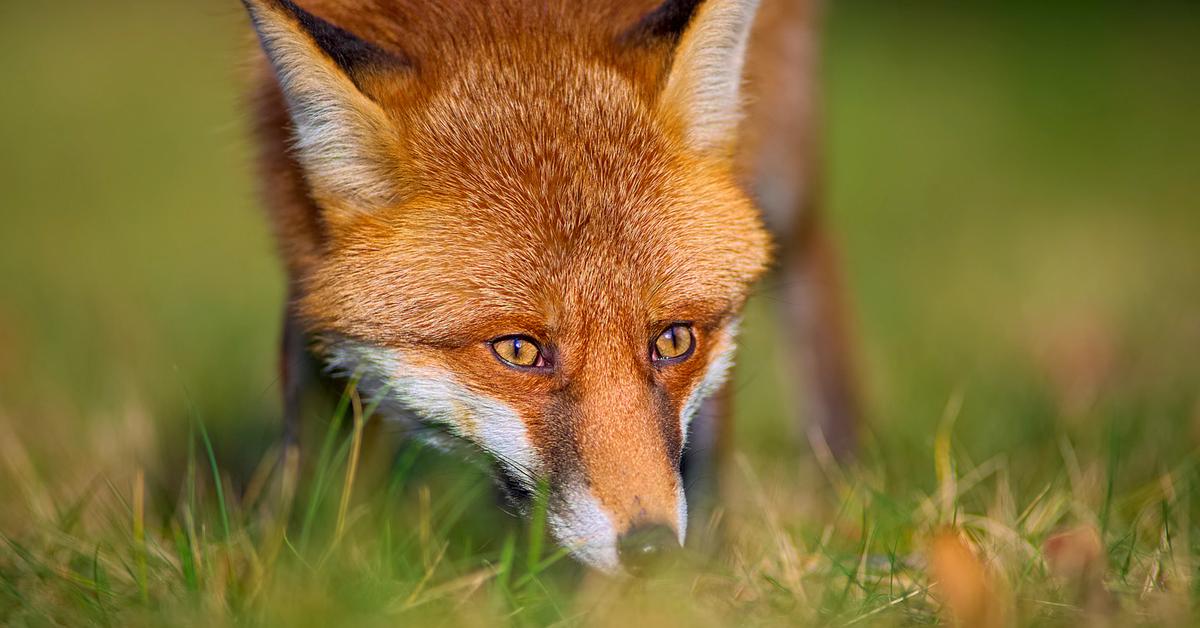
{"type": "Point", "coordinates": [1076, 556]}
{"type": "Point", "coordinates": [968, 591]}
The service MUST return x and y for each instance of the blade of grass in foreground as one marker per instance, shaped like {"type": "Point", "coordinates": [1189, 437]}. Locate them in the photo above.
{"type": "Point", "coordinates": [351, 467]}
{"type": "Point", "coordinates": [361, 416]}
{"type": "Point", "coordinates": [139, 532]}
{"type": "Point", "coordinates": [537, 526]}
{"type": "Point", "coordinates": [508, 555]}
{"type": "Point", "coordinates": [100, 585]}
{"type": "Point", "coordinates": [216, 474]}
{"type": "Point", "coordinates": [187, 565]}
{"type": "Point", "coordinates": [198, 423]}
{"type": "Point", "coordinates": [314, 500]}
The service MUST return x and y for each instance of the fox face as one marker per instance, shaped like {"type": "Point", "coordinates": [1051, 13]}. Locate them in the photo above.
{"type": "Point", "coordinates": [530, 235]}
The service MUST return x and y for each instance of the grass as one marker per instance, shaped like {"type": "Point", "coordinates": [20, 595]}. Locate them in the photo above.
{"type": "Point", "coordinates": [425, 545]}
{"type": "Point", "coordinates": [1014, 188]}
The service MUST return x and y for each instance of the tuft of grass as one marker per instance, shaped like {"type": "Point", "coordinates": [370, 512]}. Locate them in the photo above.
{"type": "Point", "coordinates": [427, 545]}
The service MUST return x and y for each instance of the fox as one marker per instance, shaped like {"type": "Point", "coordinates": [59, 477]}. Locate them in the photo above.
{"type": "Point", "coordinates": [533, 227]}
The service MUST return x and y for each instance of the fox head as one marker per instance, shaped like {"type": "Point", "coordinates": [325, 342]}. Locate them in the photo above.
{"type": "Point", "coordinates": [531, 233]}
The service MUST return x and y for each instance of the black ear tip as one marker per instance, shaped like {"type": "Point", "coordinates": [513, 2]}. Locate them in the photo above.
{"type": "Point", "coordinates": [294, 9]}
{"type": "Point", "coordinates": [350, 52]}
{"type": "Point", "coordinates": [667, 22]}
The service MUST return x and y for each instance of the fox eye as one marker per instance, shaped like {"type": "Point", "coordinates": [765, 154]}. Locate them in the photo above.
{"type": "Point", "coordinates": [520, 351]}
{"type": "Point", "coordinates": [674, 344]}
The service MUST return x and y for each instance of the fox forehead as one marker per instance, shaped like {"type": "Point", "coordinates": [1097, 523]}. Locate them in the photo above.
{"type": "Point", "coordinates": [510, 225]}
{"type": "Point", "coordinates": [449, 271]}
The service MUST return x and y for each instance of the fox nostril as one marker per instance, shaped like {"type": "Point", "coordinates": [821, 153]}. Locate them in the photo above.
{"type": "Point", "coordinates": [642, 547]}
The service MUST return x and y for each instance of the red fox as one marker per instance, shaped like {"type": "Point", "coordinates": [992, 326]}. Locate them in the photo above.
{"type": "Point", "coordinates": [534, 224]}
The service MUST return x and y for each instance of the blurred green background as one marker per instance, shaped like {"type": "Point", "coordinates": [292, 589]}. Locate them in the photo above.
{"type": "Point", "coordinates": [1015, 188]}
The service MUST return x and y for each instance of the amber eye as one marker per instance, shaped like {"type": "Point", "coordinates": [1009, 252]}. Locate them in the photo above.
{"type": "Point", "coordinates": [520, 351]}
{"type": "Point", "coordinates": [674, 343]}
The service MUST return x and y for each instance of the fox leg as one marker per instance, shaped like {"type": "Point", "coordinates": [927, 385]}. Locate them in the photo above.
{"type": "Point", "coordinates": [814, 312]}
{"type": "Point", "coordinates": [705, 461]}
{"type": "Point", "coordinates": [295, 373]}
{"type": "Point", "coordinates": [780, 165]}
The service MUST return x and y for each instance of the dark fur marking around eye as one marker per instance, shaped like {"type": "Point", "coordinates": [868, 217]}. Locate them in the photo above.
{"type": "Point", "coordinates": [669, 424]}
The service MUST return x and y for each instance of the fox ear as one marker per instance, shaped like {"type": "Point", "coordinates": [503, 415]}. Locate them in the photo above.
{"type": "Point", "coordinates": [345, 142]}
{"type": "Point", "coordinates": [702, 91]}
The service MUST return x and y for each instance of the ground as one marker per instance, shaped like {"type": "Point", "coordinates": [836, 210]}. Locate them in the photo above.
{"type": "Point", "coordinates": [1014, 189]}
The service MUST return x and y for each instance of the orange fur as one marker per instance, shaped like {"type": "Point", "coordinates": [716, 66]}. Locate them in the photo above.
{"type": "Point", "coordinates": [534, 170]}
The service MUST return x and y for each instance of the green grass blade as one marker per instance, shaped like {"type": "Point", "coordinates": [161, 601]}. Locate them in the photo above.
{"type": "Point", "coordinates": [537, 526]}
{"type": "Point", "coordinates": [323, 464]}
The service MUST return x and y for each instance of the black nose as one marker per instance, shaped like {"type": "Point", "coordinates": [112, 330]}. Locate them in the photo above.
{"type": "Point", "coordinates": [645, 546]}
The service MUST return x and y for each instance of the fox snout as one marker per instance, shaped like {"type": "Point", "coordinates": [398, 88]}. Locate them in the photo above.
{"type": "Point", "coordinates": [607, 445]}
{"type": "Point", "coordinates": [618, 447]}
{"type": "Point", "coordinates": [630, 534]}
{"type": "Point", "coordinates": [630, 539]}
{"type": "Point", "coordinates": [580, 522]}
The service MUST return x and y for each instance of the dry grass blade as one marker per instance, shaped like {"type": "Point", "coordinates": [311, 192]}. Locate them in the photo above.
{"type": "Point", "coordinates": [352, 466]}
